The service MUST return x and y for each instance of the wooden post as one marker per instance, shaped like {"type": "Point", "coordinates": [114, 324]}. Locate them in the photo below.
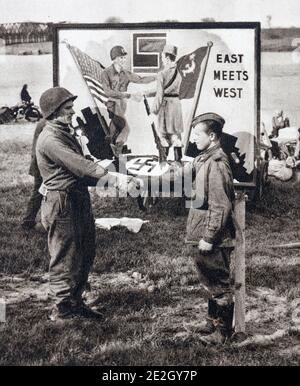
{"type": "Point", "coordinates": [239, 274]}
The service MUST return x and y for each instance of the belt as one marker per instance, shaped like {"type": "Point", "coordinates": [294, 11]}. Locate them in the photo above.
{"type": "Point", "coordinates": [43, 190]}
{"type": "Point", "coordinates": [171, 95]}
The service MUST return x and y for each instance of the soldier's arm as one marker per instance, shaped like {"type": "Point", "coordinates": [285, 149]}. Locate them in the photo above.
{"type": "Point", "coordinates": [67, 158]}
{"type": "Point", "coordinates": [219, 200]}
{"type": "Point", "coordinates": [39, 127]}
{"type": "Point", "coordinates": [134, 78]}
{"type": "Point", "coordinates": [182, 172]}
{"type": "Point", "coordinates": [159, 94]}
{"type": "Point", "coordinates": [109, 91]}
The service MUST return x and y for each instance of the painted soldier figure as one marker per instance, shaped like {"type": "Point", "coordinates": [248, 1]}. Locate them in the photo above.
{"type": "Point", "coordinates": [115, 80]}
{"type": "Point", "coordinates": [166, 104]}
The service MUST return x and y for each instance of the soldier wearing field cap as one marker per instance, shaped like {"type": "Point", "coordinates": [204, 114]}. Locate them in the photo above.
{"type": "Point", "coordinates": [166, 104]}
{"type": "Point", "coordinates": [66, 208]}
{"type": "Point", "coordinates": [210, 229]}
{"type": "Point", "coordinates": [115, 80]}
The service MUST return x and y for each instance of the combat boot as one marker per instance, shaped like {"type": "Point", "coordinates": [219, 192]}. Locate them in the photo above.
{"type": "Point", "coordinates": [87, 312]}
{"type": "Point", "coordinates": [208, 326]}
{"type": "Point", "coordinates": [62, 311]}
{"type": "Point", "coordinates": [223, 325]}
{"type": "Point", "coordinates": [81, 309]}
{"type": "Point", "coordinates": [216, 338]}
{"type": "Point", "coordinates": [70, 309]}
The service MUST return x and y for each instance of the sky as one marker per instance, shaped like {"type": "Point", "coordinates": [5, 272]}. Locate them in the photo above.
{"type": "Point", "coordinates": [285, 13]}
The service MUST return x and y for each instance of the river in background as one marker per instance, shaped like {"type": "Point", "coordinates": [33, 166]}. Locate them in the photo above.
{"type": "Point", "coordinates": [280, 82]}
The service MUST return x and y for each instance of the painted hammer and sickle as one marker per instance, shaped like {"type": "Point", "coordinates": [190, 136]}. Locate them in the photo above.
{"type": "Point", "coordinates": [189, 67]}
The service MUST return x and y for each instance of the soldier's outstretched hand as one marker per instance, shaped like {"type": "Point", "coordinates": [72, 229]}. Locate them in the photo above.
{"type": "Point", "coordinates": [135, 185]}
{"type": "Point", "coordinates": [129, 185]}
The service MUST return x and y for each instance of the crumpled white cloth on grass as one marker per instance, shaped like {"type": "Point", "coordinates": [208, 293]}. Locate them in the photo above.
{"type": "Point", "coordinates": [280, 170]}
{"type": "Point", "coordinates": [132, 224]}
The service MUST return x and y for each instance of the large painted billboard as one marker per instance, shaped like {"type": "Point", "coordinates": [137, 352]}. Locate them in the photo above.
{"type": "Point", "coordinates": [219, 65]}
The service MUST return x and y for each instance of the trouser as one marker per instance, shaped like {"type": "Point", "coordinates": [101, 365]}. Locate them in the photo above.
{"type": "Point", "coordinates": [118, 127]}
{"type": "Point", "coordinates": [214, 273]}
{"type": "Point", "coordinates": [68, 218]}
{"type": "Point", "coordinates": [168, 140]}
{"type": "Point", "coordinates": [34, 203]}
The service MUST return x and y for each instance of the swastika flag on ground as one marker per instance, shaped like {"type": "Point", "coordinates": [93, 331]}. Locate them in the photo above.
{"type": "Point", "coordinates": [91, 71]}
{"type": "Point", "coordinates": [189, 67]}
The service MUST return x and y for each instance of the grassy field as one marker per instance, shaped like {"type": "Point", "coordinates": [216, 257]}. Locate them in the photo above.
{"type": "Point", "coordinates": [145, 284]}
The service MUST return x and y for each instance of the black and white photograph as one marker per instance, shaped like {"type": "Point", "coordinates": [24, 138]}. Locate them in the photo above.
{"type": "Point", "coordinates": [150, 183]}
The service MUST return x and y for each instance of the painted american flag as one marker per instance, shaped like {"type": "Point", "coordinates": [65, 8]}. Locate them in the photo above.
{"type": "Point", "coordinates": [91, 71]}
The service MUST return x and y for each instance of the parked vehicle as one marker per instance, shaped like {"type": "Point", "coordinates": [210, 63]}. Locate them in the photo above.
{"type": "Point", "coordinates": [26, 110]}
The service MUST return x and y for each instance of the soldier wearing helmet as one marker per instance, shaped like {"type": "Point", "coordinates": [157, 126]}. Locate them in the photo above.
{"type": "Point", "coordinates": [66, 208]}
{"type": "Point", "coordinates": [115, 80]}
{"type": "Point", "coordinates": [167, 105]}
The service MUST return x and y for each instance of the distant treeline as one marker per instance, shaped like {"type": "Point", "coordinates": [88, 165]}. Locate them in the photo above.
{"type": "Point", "coordinates": [272, 39]}
{"type": "Point", "coordinates": [27, 32]}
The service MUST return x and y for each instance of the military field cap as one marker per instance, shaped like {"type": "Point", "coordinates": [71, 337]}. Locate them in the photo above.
{"type": "Point", "coordinates": [208, 117]}
{"type": "Point", "coordinates": [117, 51]}
{"type": "Point", "coordinates": [170, 49]}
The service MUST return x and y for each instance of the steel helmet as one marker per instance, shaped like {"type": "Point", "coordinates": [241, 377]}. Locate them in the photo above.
{"type": "Point", "coordinates": [53, 98]}
{"type": "Point", "coordinates": [117, 51]}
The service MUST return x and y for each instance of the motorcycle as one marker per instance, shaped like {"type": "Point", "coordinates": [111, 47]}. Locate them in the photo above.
{"type": "Point", "coordinates": [26, 110]}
